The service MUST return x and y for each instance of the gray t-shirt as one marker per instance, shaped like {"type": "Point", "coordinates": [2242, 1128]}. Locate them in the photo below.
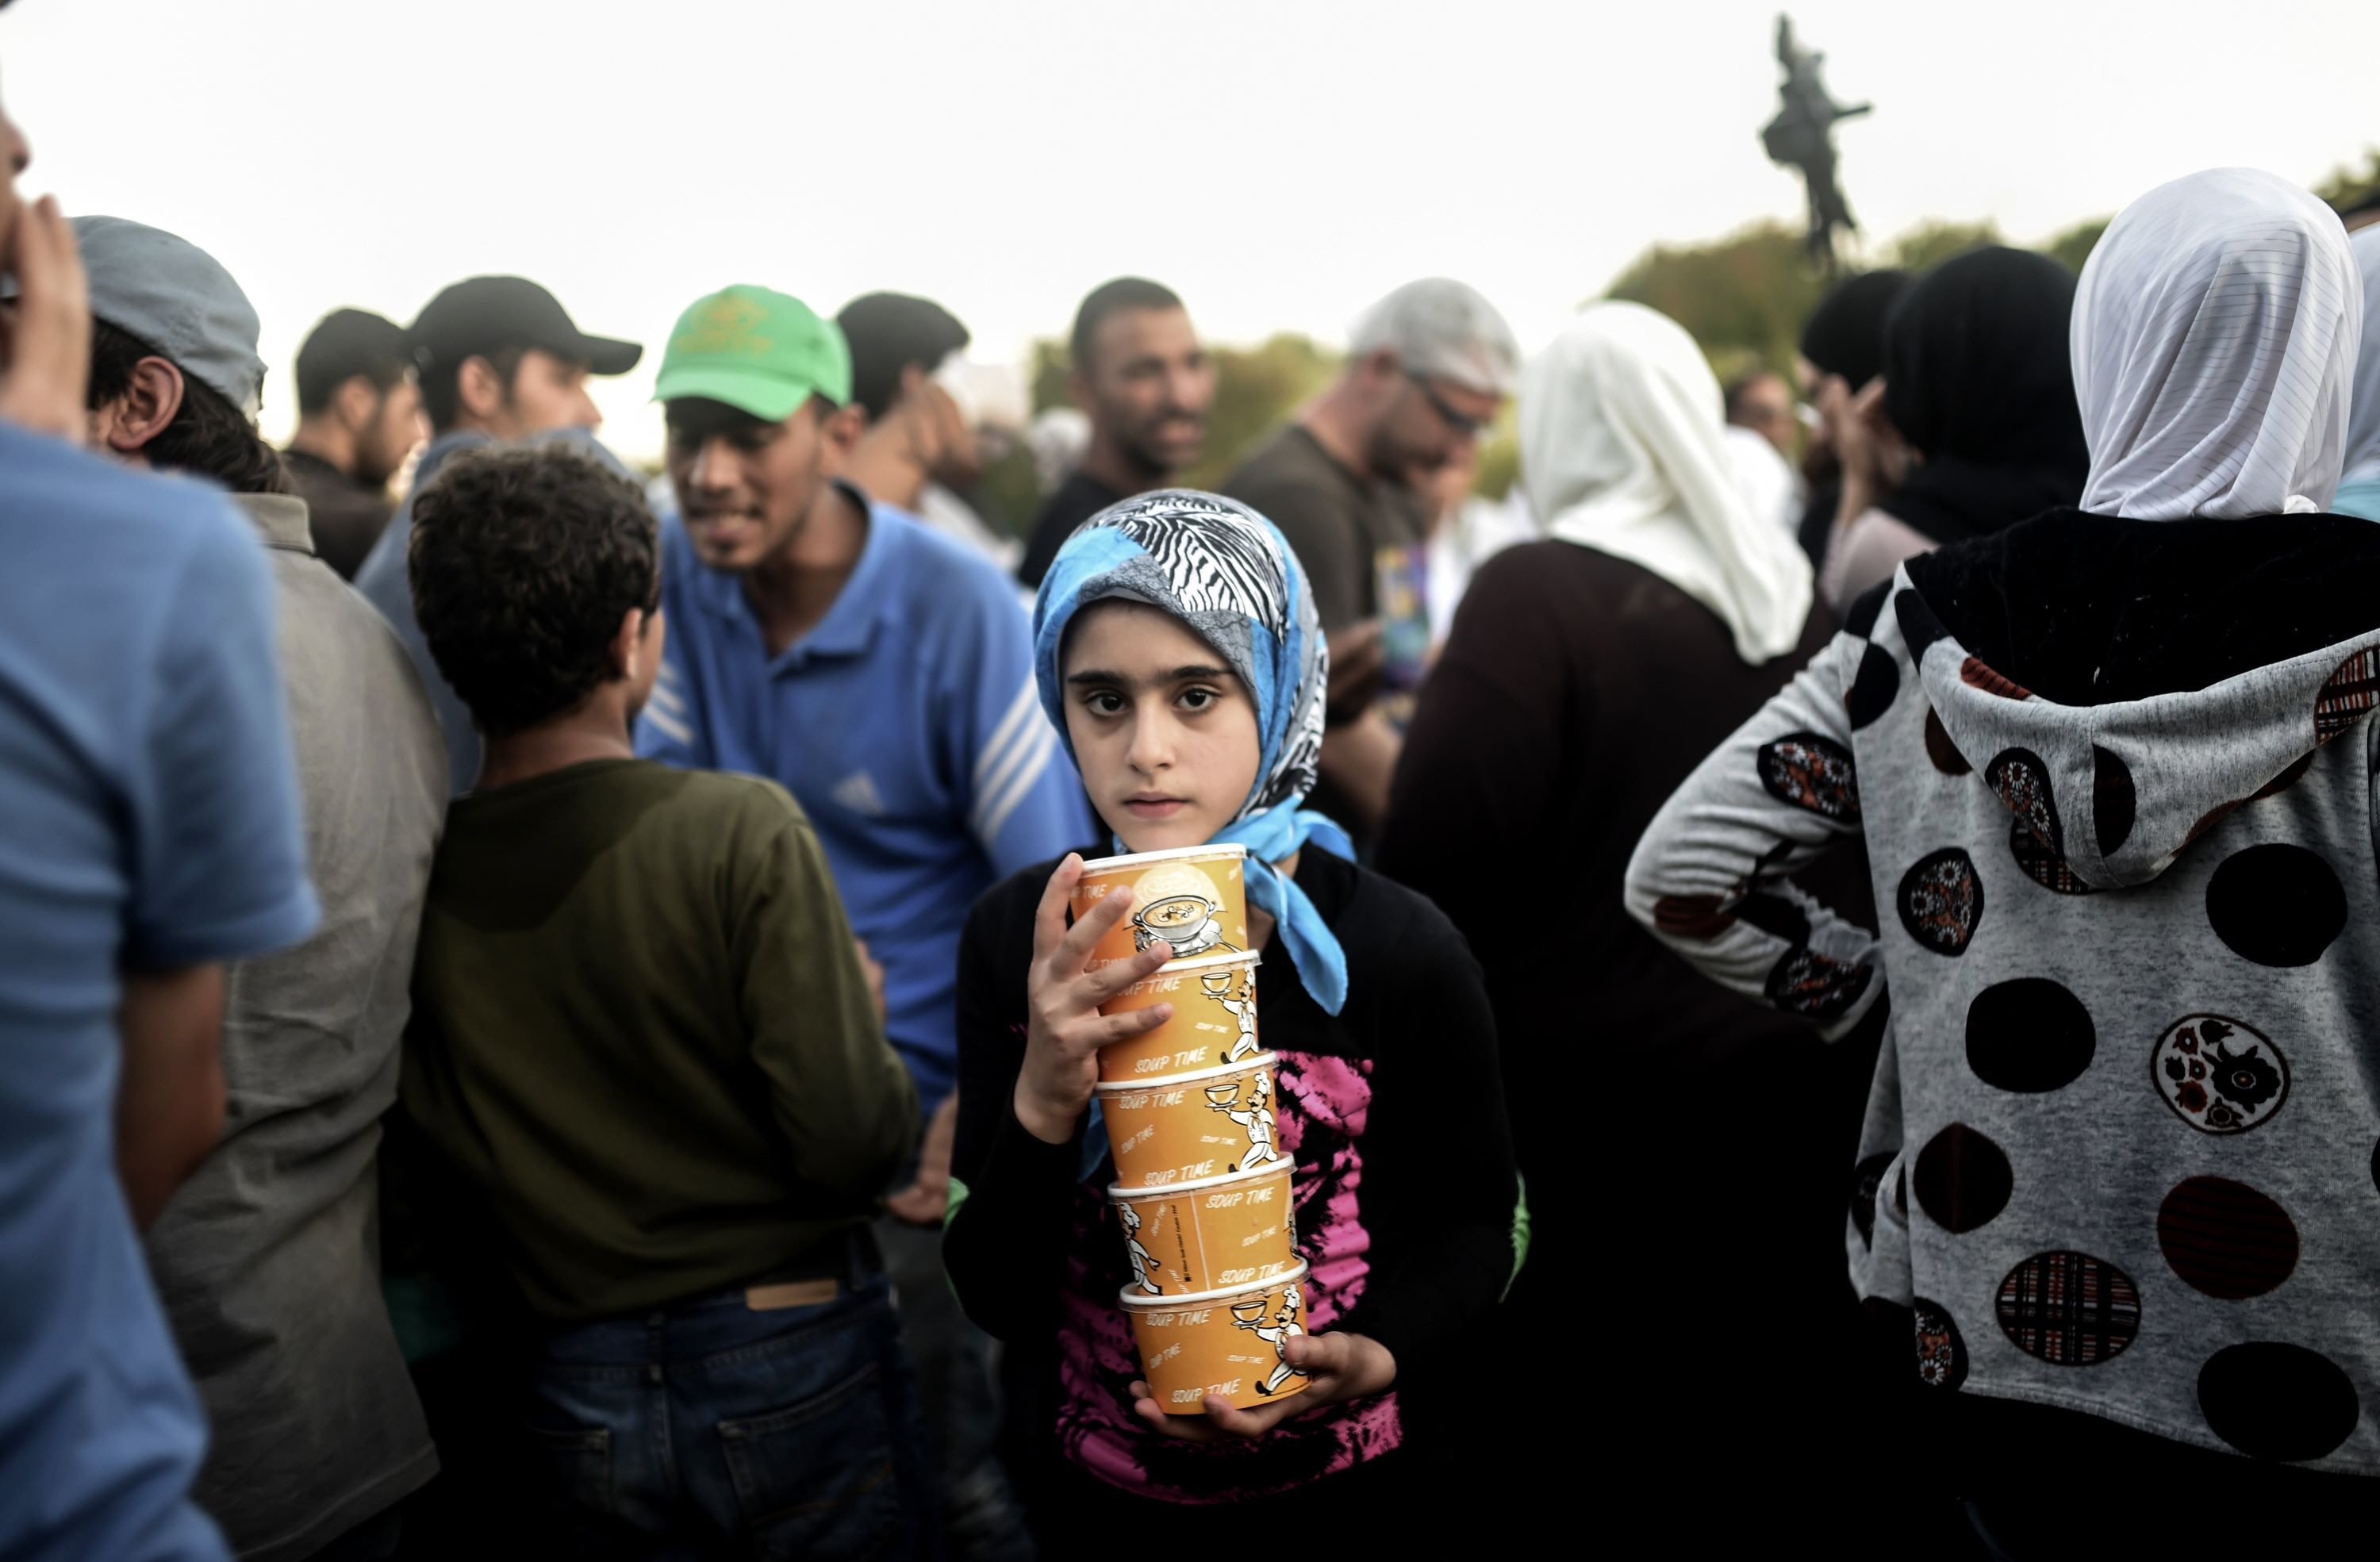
{"type": "Point", "coordinates": [1336, 523]}
{"type": "Point", "coordinates": [268, 1258]}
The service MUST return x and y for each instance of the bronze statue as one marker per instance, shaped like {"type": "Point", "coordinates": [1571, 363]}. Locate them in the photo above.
{"type": "Point", "coordinates": [1802, 137]}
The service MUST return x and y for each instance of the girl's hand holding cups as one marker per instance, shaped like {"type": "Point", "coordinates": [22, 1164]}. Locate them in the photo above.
{"type": "Point", "coordinates": [1338, 1367]}
{"type": "Point", "coordinates": [1064, 1029]}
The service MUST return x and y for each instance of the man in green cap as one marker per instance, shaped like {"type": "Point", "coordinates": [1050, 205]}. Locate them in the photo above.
{"type": "Point", "coordinates": [883, 674]}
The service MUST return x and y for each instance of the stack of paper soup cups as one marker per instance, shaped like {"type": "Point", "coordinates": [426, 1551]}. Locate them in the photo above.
{"type": "Point", "coordinates": [1202, 1189]}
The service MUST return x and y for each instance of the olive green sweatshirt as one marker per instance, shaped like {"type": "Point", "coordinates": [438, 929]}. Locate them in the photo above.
{"type": "Point", "coordinates": [641, 1032]}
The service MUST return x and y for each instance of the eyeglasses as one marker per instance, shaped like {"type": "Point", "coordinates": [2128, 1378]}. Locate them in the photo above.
{"type": "Point", "coordinates": [1457, 423]}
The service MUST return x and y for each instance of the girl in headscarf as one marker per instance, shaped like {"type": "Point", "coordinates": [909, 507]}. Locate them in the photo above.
{"type": "Point", "coordinates": [1975, 426]}
{"type": "Point", "coordinates": [1179, 655]}
{"type": "Point", "coordinates": [2359, 489]}
{"type": "Point", "coordinates": [2113, 768]}
{"type": "Point", "coordinates": [1584, 677]}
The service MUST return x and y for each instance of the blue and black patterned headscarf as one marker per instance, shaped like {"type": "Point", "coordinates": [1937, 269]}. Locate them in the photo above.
{"type": "Point", "coordinates": [1225, 573]}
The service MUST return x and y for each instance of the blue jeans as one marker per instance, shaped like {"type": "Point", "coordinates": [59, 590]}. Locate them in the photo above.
{"type": "Point", "coordinates": [709, 1429]}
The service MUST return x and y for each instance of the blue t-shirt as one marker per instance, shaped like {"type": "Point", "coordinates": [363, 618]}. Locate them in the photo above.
{"type": "Point", "coordinates": [909, 726]}
{"type": "Point", "coordinates": [382, 579]}
{"type": "Point", "coordinates": [148, 819]}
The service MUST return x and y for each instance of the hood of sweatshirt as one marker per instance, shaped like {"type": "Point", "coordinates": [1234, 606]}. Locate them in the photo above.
{"type": "Point", "coordinates": [2121, 686]}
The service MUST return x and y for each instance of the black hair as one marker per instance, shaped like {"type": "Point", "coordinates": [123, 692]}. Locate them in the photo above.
{"type": "Point", "coordinates": [1115, 297]}
{"type": "Point", "coordinates": [1741, 386]}
{"type": "Point", "coordinates": [887, 333]}
{"type": "Point", "coordinates": [345, 344]}
{"type": "Point", "coordinates": [442, 390]}
{"type": "Point", "coordinates": [522, 560]}
{"type": "Point", "coordinates": [208, 436]}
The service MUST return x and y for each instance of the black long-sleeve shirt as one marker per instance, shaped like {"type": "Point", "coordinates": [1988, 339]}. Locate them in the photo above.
{"type": "Point", "coordinates": [1405, 1196]}
{"type": "Point", "coordinates": [1576, 691]}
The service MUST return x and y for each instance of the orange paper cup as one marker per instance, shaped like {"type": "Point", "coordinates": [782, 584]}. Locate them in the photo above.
{"type": "Point", "coordinates": [1238, 1230]}
{"type": "Point", "coordinates": [1193, 1126]}
{"type": "Point", "coordinates": [1233, 1342]}
{"type": "Point", "coordinates": [1192, 898]}
{"type": "Point", "coordinates": [1214, 1023]}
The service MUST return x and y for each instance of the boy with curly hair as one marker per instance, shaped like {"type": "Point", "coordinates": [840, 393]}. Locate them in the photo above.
{"type": "Point", "coordinates": [645, 1040]}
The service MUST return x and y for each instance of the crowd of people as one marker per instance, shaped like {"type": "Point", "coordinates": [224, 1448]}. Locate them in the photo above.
{"type": "Point", "coordinates": [545, 1019]}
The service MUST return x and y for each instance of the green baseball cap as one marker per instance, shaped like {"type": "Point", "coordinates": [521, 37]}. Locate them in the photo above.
{"type": "Point", "coordinates": [760, 352]}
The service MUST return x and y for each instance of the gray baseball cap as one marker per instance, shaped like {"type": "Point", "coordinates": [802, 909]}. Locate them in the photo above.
{"type": "Point", "coordinates": [178, 299]}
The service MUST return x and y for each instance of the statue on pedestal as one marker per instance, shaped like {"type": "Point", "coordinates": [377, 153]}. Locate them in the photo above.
{"type": "Point", "coordinates": [1802, 137]}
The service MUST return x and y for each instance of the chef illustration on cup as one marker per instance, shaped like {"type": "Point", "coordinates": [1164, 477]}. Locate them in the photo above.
{"type": "Point", "coordinates": [1250, 1316]}
{"type": "Point", "coordinates": [1254, 1115]}
{"type": "Point", "coordinates": [1142, 1263]}
{"type": "Point", "coordinates": [1241, 1007]}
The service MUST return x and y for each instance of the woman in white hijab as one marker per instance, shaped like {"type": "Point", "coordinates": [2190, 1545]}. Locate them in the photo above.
{"type": "Point", "coordinates": [2216, 327]}
{"type": "Point", "coordinates": [1624, 449]}
{"type": "Point", "coordinates": [2113, 764]}
{"type": "Point", "coordinates": [2359, 490]}
{"type": "Point", "coordinates": [1584, 678]}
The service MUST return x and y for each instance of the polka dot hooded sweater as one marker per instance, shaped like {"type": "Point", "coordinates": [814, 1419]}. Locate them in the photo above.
{"type": "Point", "coordinates": [2116, 782]}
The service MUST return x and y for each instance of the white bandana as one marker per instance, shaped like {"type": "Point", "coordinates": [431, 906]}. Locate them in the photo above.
{"type": "Point", "coordinates": [2364, 405]}
{"type": "Point", "coordinates": [2215, 328]}
{"type": "Point", "coordinates": [1623, 450]}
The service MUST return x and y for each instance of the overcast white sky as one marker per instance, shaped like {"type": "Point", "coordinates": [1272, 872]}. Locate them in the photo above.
{"type": "Point", "coordinates": [1279, 161]}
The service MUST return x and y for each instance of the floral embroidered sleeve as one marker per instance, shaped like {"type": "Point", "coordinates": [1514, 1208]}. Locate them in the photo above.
{"type": "Point", "coordinates": [1710, 877]}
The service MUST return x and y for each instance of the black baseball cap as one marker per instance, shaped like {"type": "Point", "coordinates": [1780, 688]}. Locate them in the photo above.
{"type": "Point", "coordinates": [887, 332]}
{"type": "Point", "coordinates": [486, 313]}
{"type": "Point", "coordinates": [343, 344]}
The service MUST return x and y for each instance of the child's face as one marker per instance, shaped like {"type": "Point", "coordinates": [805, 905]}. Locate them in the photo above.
{"type": "Point", "coordinates": [1164, 733]}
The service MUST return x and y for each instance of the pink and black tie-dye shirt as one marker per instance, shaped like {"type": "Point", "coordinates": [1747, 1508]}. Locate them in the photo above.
{"type": "Point", "coordinates": [1406, 1197]}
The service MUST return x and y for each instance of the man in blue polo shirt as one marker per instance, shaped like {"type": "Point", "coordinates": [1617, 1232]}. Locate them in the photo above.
{"type": "Point", "coordinates": [882, 674]}
{"type": "Point", "coordinates": [149, 832]}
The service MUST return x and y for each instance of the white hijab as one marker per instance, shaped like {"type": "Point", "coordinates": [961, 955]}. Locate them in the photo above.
{"type": "Point", "coordinates": [2364, 404]}
{"type": "Point", "coordinates": [1622, 452]}
{"type": "Point", "coordinates": [2214, 328]}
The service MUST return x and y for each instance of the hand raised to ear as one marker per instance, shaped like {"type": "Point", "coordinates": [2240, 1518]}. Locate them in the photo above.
{"type": "Point", "coordinates": [45, 340]}
{"type": "Point", "coordinates": [1874, 458]}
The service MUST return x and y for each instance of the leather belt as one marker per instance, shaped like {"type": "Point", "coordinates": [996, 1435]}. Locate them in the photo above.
{"type": "Point", "coordinates": [841, 1263]}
